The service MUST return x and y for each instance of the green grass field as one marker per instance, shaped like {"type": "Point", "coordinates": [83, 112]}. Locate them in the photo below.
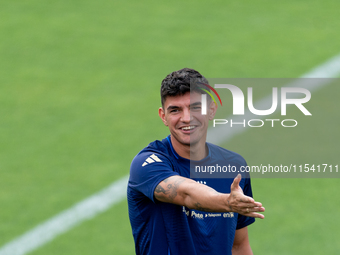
{"type": "Point", "coordinates": [79, 93]}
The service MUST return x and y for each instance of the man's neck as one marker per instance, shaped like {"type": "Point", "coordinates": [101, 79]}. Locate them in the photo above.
{"type": "Point", "coordinates": [196, 151]}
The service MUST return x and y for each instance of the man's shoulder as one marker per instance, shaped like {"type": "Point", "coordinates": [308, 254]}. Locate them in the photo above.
{"type": "Point", "coordinates": [222, 153]}
{"type": "Point", "coordinates": [156, 146]}
{"type": "Point", "coordinates": [156, 151]}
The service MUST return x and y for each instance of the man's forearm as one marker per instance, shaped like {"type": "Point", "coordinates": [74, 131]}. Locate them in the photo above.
{"type": "Point", "coordinates": [203, 198]}
{"type": "Point", "coordinates": [186, 192]}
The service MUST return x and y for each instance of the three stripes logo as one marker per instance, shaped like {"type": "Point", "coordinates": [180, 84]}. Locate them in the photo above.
{"type": "Point", "coordinates": [151, 159]}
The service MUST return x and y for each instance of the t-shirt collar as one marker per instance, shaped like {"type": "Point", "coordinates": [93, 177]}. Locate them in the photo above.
{"type": "Point", "coordinates": [181, 158]}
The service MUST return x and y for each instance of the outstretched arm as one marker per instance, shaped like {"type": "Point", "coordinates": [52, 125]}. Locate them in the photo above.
{"type": "Point", "coordinates": [186, 192]}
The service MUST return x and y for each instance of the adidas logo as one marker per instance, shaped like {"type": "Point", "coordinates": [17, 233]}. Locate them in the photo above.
{"type": "Point", "coordinates": [151, 159]}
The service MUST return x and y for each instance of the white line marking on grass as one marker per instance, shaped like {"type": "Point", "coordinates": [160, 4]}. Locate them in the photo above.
{"type": "Point", "coordinates": [103, 200]}
{"type": "Point", "coordinates": [66, 220]}
{"type": "Point", "coordinates": [329, 69]}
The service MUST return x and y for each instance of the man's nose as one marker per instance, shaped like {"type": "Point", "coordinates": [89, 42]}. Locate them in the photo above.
{"type": "Point", "coordinates": [186, 116]}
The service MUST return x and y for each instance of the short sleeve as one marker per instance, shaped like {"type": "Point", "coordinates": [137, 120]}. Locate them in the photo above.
{"type": "Point", "coordinates": [147, 170]}
{"type": "Point", "coordinates": [242, 220]}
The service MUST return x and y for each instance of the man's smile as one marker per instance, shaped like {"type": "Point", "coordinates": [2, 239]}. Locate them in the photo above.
{"type": "Point", "coordinates": [188, 129]}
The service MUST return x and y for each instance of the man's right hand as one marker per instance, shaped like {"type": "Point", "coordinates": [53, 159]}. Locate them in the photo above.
{"type": "Point", "coordinates": [242, 204]}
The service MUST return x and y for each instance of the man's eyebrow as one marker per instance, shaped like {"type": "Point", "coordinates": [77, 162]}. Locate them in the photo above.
{"type": "Point", "coordinates": [171, 107]}
{"type": "Point", "coordinates": [196, 103]}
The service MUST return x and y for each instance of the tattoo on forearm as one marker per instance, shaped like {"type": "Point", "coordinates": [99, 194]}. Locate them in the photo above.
{"type": "Point", "coordinates": [199, 207]}
{"type": "Point", "coordinates": [171, 190]}
{"type": "Point", "coordinates": [159, 189]}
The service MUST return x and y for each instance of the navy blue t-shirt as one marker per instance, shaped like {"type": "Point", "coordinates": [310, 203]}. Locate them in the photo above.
{"type": "Point", "coordinates": [163, 228]}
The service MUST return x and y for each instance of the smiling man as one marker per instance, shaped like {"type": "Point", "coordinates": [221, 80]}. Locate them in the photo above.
{"type": "Point", "coordinates": [171, 213]}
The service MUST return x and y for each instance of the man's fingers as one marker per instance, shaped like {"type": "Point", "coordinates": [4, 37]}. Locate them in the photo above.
{"type": "Point", "coordinates": [249, 205]}
{"type": "Point", "coordinates": [256, 215]}
{"type": "Point", "coordinates": [236, 182]}
{"type": "Point", "coordinates": [250, 211]}
{"type": "Point", "coordinates": [254, 212]}
{"type": "Point", "coordinates": [254, 209]}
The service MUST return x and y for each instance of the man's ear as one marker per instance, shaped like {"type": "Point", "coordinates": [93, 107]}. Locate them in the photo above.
{"type": "Point", "coordinates": [161, 114]}
{"type": "Point", "coordinates": [212, 110]}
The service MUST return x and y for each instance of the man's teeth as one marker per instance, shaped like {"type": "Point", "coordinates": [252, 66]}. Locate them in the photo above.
{"type": "Point", "coordinates": [188, 128]}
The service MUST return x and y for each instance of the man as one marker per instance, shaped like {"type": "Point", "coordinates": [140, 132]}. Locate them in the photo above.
{"type": "Point", "coordinates": [170, 213]}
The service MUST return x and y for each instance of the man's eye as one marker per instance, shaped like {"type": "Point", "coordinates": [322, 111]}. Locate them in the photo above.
{"type": "Point", "coordinates": [173, 111]}
{"type": "Point", "coordinates": [196, 107]}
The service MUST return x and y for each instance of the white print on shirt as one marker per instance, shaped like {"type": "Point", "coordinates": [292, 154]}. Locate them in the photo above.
{"type": "Point", "coordinates": [201, 216]}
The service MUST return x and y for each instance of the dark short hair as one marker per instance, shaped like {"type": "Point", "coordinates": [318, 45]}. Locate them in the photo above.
{"type": "Point", "coordinates": [180, 82]}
